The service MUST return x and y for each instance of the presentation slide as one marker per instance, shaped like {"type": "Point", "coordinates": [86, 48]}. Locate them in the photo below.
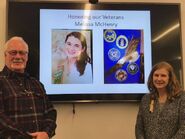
{"type": "Point", "coordinates": [95, 51]}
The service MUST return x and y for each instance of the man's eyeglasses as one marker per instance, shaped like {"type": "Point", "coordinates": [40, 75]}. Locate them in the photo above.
{"type": "Point", "coordinates": [14, 53]}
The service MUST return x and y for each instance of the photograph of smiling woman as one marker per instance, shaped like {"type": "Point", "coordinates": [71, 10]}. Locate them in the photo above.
{"type": "Point", "coordinates": [71, 57]}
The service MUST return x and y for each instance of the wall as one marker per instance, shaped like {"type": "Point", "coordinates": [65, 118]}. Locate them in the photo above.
{"type": "Point", "coordinates": [94, 120]}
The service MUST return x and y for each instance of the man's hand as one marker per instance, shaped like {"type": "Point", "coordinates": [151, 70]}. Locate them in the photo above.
{"type": "Point", "coordinates": [39, 135]}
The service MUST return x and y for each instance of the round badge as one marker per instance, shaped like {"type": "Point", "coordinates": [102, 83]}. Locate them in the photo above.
{"type": "Point", "coordinates": [132, 68]}
{"type": "Point", "coordinates": [122, 42]}
{"type": "Point", "coordinates": [121, 75]}
{"type": "Point", "coordinates": [110, 35]}
{"type": "Point", "coordinates": [114, 54]}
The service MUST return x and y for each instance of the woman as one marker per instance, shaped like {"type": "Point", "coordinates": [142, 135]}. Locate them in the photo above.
{"type": "Point", "coordinates": [162, 112]}
{"type": "Point", "coordinates": [77, 64]}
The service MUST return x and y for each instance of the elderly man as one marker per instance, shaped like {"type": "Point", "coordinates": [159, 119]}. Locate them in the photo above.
{"type": "Point", "coordinates": [25, 111]}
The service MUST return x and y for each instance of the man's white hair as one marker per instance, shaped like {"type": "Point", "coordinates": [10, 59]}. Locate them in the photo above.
{"type": "Point", "coordinates": [15, 38]}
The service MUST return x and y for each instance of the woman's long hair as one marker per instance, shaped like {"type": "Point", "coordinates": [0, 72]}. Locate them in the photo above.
{"type": "Point", "coordinates": [84, 57]}
{"type": "Point", "coordinates": [173, 87]}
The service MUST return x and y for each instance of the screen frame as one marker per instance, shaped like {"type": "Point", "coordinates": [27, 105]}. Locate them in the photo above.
{"type": "Point", "coordinates": [69, 98]}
